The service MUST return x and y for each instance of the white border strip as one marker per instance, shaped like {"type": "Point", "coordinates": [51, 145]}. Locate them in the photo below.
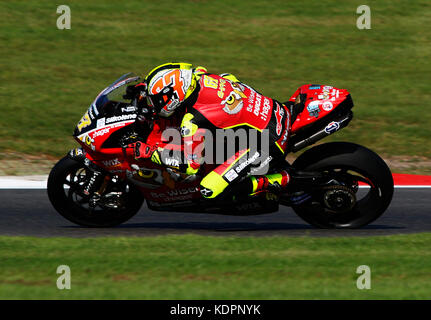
{"type": "Point", "coordinates": [404, 187]}
{"type": "Point", "coordinates": [11, 182]}
{"type": "Point", "coordinates": [40, 182]}
{"type": "Point", "coordinates": [417, 187]}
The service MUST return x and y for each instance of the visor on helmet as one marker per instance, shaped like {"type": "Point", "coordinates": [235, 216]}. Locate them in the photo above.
{"type": "Point", "coordinates": [161, 99]}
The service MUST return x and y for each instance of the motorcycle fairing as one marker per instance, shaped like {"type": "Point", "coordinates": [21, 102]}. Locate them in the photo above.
{"type": "Point", "coordinates": [321, 100]}
{"type": "Point", "coordinates": [261, 203]}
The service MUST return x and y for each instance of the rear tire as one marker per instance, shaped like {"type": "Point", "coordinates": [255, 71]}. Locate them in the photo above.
{"type": "Point", "coordinates": [349, 163]}
{"type": "Point", "coordinates": [63, 196]}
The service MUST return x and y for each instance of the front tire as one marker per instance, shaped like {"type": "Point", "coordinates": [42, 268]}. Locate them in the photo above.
{"type": "Point", "coordinates": [65, 182]}
{"type": "Point", "coordinates": [351, 165]}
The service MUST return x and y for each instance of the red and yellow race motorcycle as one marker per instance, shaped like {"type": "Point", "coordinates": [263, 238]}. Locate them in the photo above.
{"type": "Point", "coordinates": [333, 185]}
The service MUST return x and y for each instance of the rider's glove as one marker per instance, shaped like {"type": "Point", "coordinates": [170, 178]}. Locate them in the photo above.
{"type": "Point", "coordinates": [143, 150]}
{"type": "Point", "coordinates": [133, 91]}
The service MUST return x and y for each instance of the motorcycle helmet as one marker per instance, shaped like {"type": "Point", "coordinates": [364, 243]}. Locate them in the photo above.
{"type": "Point", "coordinates": [168, 86]}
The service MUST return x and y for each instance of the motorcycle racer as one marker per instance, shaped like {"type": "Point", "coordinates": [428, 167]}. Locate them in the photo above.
{"type": "Point", "coordinates": [212, 102]}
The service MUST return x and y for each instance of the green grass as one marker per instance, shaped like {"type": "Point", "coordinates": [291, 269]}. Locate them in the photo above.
{"type": "Point", "coordinates": [48, 77]}
{"type": "Point", "coordinates": [197, 267]}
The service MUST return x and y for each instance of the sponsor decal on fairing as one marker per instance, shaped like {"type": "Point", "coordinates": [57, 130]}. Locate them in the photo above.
{"type": "Point", "coordinates": [313, 109]}
{"type": "Point", "coordinates": [120, 118]}
{"type": "Point", "coordinates": [332, 127]}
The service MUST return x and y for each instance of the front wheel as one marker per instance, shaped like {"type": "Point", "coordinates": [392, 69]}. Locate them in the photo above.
{"type": "Point", "coordinates": [118, 203]}
{"type": "Point", "coordinates": [361, 189]}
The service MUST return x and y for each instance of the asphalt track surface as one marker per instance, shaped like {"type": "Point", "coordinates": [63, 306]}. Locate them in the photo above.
{"type": "Point", "coordinates": [29, 213]}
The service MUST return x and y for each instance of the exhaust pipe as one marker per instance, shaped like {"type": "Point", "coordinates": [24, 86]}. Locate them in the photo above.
{"type": "Point", "coordinates": [323, 131]}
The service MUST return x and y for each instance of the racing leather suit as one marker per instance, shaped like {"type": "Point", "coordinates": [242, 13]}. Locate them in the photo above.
{"type": "Point", "coordinates": [222, 102]}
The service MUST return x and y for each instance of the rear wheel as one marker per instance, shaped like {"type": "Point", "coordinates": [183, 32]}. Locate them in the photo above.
{"type": "Point", "coordinates": [360, 191]}
{"type": "Point", "coordinates": [117, 204]}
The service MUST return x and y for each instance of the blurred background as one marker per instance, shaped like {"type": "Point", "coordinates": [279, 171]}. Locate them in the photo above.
{"type": "Point", "coordinates": [48, 77]}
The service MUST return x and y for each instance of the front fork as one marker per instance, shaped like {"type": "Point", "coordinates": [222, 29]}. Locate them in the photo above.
{"type": "Point", "coordinates": [97, 181]}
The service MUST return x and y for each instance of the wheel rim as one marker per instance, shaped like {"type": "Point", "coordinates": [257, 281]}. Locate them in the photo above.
{"type": "Point", "coordinates": [367, 191]}
{"type": "Point", "coordinates": [73, 183]}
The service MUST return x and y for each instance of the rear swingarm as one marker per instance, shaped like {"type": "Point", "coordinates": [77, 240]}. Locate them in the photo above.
{"type": "Point", "coordinates": [308, 180]}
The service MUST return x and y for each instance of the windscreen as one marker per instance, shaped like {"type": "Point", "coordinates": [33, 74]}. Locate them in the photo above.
{"type": "Point", "coordinates": [115, 91]}
{"type": "Point", "coordinates": [106, 99]}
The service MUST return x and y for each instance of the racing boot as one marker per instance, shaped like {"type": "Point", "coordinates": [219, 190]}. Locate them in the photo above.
{"type": "Point", "coordinates": [274, 183]}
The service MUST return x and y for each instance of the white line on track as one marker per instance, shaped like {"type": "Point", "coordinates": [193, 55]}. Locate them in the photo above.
{"type": "Point", "coordinates": [20, 183]}
{"type": "Point", "coordinates": [40, 182]}
{"type": "Point", "coordinates": [417, 187]}
{"type": "Point", "coordinates": [403, 187]}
